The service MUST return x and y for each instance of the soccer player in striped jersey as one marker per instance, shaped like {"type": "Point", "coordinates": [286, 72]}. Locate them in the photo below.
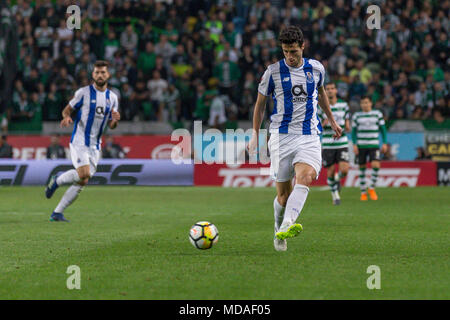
{"type": "Point", "coordinates": [96, 106]}
{"type": "Point", "coordinates": [296, 87]}
{"type": "Point", "coordinates": [335, 151]}
{"type": "Point", "coordinates": [366, 128]}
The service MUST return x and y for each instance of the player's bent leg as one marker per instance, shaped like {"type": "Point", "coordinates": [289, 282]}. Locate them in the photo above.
{"type": "Point", "coordinates": [68, 177]}
{"type": "Point", "coordinates": [304, 175]}
{"type": "Point", "coordinates": [71, 194]}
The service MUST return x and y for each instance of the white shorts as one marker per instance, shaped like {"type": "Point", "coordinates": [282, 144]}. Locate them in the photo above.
{"type": "Point", "coordinates": [83, 156]}
{"type": "Point", "coordinates": [286, 149]}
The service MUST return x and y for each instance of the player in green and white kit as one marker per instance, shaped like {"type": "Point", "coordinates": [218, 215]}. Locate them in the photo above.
{"type": "Point", "coordinates": [366, 128]}
{"type": "Point", "coordinates": [335, 151]}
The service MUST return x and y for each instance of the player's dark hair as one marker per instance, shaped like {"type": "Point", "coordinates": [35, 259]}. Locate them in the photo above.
{"type": "Point", "coordinates": [366, 97]}
{"type": "Point", "coordinates": [290, 35]}
{"type": "Point", "coordinates": [101, 63]}
{"type": "Point", "coordinates": [331, 83]}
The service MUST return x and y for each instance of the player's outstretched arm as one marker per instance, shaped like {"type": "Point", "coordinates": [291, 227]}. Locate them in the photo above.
{"type": "Point", "coordinates": [325, 105]}
{"type": "Point", "coordinates": [67, 120]}
{"type": "Point", "coordinates": [258, 116]}
{"type": "Point", "coordinates": [115, 119]}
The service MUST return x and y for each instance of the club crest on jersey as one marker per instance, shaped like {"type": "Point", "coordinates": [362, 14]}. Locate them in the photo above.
{"type": "Point", "coordinates": [309, 77]}
{"type": "Point", "coordinates": [286, 79]}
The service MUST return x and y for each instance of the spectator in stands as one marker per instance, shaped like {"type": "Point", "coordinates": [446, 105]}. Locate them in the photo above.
{"type": "Point", "coordinates": [111, 150]}
{"type": "Point", "coordinates": [422, 154]}
{"type": "Point", "coordinates": [171, 105]}
{"type": "Point", "coordinates": [6, 150]}
{"type": "Point", "coordinates": [55, 150]}
{"type": "Point", "coordinates": [157, 87]}
{"type": "Point", "coordinates": [44, 36]}
{"type": "Point", "coordinates": [3, 123]}
{"type": "Point", "coordinates": [189, 41]}
{"type": "Point", "coordinates": [217, 117]}
{"type": "Point", "coordinates": [129, 39]}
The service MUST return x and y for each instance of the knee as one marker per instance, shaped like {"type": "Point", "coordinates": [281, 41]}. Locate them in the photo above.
{"type": "Point", "coordinates": [83, 182]}
{"type": "Point", "coordinates": [305, 177]}
{"type": "Point", "coordinates": [84, 175]}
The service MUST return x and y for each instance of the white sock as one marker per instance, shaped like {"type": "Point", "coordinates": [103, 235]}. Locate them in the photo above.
{"type": "Point", "coordinates": [278, 213]}
{"type": "Point", "coordinates": [68, 197]}
{"type": "Point", "coordinates": [68, 177]}
{"type": "Point", "coordinates": [295, 204]}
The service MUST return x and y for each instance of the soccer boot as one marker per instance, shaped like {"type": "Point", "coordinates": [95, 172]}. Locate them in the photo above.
{"type": "Point", "coordinates": [363, 197]}
{"type": "Point", "coordinates": [280, 245]}
{"type": "Point", "coordinates": [290, 232]}
{"type": "Point", "coordinates": [372, 194]}
{"type": "Point", "coordinates": [57, 217]}
{"type": "Point", "coordinates": [51, 187]}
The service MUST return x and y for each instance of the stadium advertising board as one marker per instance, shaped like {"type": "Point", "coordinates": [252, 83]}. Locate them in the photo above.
{"type": "Point", "coordinates": [160, 147]}
{"type": "Point", "coordinates": [404, 145]}
{"type": "Point", "coordinates": [392, 174]}
{"type": "Point", "coordinates": [136, 147]}
{"type": "Point", "coordinates": [438, 145]}
{"type": "Point", "coordinates": [109, 172]}
{"type": "Point", "coordinates": [443, 173]}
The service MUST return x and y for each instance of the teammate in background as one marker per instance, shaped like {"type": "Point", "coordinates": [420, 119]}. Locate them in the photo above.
{"type": "Point", "coordinates": [296, 86]}
{"type": "Point", "coordinates": [366, 127]}
{"type": "Point", "coordinates": [95, 106]}
{"type": "Point", "coordinates": [335, 151]}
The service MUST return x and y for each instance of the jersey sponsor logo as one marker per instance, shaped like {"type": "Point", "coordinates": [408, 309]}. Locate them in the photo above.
{"type": "Point", "coordinates": [297, 91]}
{"type": "Point", "coordinates": [100, 110]}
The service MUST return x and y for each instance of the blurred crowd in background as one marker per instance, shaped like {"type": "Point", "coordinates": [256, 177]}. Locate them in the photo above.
{"type": "Point", "coordinates": [182, 60]}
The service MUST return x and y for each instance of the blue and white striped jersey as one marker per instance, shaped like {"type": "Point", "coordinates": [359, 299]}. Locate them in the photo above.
{"type": "Point", "coordinates": [295, 95]}
{"type": "Point", "coordinates": [93, 109]}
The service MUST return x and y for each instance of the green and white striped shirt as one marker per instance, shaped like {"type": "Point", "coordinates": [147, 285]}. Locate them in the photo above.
{"type": "Point", "coordinates": [340, 113]}
{"type": "Point", "coordinates": [366, 128]}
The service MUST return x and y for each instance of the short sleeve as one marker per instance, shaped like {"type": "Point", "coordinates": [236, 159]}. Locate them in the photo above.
{"type": "Point", "coordinates": [347, 112]}
{"type": "Point", "coordinates": [354, 120]}
{"type": "Point", "coordinates": [77, 100]}
{"type": "Point", "coordinates": [321, 70]}
{"type": "Point", "coordinates": [380, 119]}
{"type": "Point", "coordinates": [115, 105]}
{"type": "Point", "coordinates": [266, 85]}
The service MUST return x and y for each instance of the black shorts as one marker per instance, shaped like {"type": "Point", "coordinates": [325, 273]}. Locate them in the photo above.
{"type": "Point", "coordinates": [332, 156]}
{"type": "Point", "coordinates": [367, 155]}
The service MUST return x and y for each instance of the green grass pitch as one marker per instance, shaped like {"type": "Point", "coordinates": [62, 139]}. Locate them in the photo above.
{"type": "Point", "coordinates": [132, 243]}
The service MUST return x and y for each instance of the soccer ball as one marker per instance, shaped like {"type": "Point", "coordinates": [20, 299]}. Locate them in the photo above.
{"type": "Point", "coordinates": [203, 235]}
